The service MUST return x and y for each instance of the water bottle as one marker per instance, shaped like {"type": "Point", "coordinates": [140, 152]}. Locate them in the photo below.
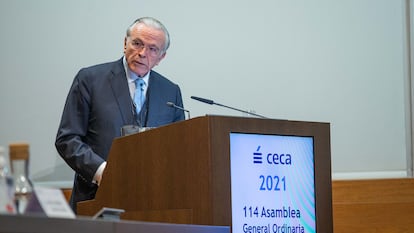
{"type": "Point", "coordinates": [6, 187]}
{"type": "Point", "coordinates": [19, 158]}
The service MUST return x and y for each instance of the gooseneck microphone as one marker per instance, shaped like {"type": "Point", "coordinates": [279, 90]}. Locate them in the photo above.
{"type": "Point", "coordinates": [207, 101]}
{"type": "Point", "coordinates": [171, 104]}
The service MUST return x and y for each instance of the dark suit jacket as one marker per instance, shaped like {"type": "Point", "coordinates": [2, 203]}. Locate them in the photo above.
{"type": "Point", "coordinates": [97, 106]}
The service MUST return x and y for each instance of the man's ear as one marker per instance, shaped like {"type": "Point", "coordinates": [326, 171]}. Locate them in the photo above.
{"type": "Point", "coordinates": [125, 44]}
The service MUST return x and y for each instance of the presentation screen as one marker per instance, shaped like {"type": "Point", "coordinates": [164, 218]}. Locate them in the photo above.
{"type": "Point", "coordinates": [272, 183]}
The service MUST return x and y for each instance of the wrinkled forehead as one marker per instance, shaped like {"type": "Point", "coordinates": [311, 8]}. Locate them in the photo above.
{"type": "Point", "coordinates": [147, 34]}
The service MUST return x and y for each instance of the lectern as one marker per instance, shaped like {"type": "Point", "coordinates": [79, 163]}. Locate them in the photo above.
{"type": "Point", "coordinates": [180, 173]}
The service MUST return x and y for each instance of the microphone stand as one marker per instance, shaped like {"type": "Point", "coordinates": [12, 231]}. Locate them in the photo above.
{"type": "Point", "coordinates": [240, 110]}
{"type": "Point", "coordinates": [171, 104]}
{"type": "Point", "coordinates": [207, 101]}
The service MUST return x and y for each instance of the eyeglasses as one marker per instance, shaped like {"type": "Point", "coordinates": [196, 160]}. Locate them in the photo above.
{"type": "Point", "coordinates": [139, 45]}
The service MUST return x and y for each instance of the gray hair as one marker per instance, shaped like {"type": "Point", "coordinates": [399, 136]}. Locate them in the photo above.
{"type": "Point", "coordinates": [154, 23]}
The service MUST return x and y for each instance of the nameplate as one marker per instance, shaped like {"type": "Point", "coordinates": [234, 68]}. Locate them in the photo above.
{"type": "Point", "coordinates": [51, 202]}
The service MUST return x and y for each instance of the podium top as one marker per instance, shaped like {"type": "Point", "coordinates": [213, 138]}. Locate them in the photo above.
{"type": "Point", "coordinates": [28, 224]}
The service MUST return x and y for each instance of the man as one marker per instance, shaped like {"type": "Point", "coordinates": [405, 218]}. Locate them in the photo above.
{"type": "Point", "coordinates": [101, 102]}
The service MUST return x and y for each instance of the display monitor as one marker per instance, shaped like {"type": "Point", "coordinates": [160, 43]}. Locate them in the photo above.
{"type": "Point", "coordinates": [272, 183]}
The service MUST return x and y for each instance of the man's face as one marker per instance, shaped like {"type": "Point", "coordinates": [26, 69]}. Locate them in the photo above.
{"type": "Point", "coordinates": [143, 49]}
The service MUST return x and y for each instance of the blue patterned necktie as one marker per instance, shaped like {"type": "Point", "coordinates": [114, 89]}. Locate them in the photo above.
{"type": "Point", "coordinates": [139, 97]}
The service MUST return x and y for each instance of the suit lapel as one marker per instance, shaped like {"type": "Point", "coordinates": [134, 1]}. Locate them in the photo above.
{"type": "Point", "coordinates": [120, 90]}
{"type": "Point", "coordinates": [153, 89]}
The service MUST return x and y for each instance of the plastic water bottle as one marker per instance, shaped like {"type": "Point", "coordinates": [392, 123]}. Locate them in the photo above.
{"type": "Point", "coordinates": [6, 187]}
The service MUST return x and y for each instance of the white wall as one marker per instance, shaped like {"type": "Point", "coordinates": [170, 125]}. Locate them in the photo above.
{"type": "Point", "coordinates": [328, 61]}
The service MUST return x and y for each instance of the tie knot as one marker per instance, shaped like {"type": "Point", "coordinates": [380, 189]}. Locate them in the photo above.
{"type": "Point", "coordinates": [139, 82]}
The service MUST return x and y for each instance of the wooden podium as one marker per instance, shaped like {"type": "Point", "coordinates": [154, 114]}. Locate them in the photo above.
{"type": "Point", "coordinates": [180, 173]}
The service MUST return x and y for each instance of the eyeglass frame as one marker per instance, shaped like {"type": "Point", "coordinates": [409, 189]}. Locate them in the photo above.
{"type": "Point", "coordinates": [138, 45]}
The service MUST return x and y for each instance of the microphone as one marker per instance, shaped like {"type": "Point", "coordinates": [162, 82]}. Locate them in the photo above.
{"type": "Point", "coordinates": [207, 101]}
{"type": "Point", "coordinates": [171, 104]}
